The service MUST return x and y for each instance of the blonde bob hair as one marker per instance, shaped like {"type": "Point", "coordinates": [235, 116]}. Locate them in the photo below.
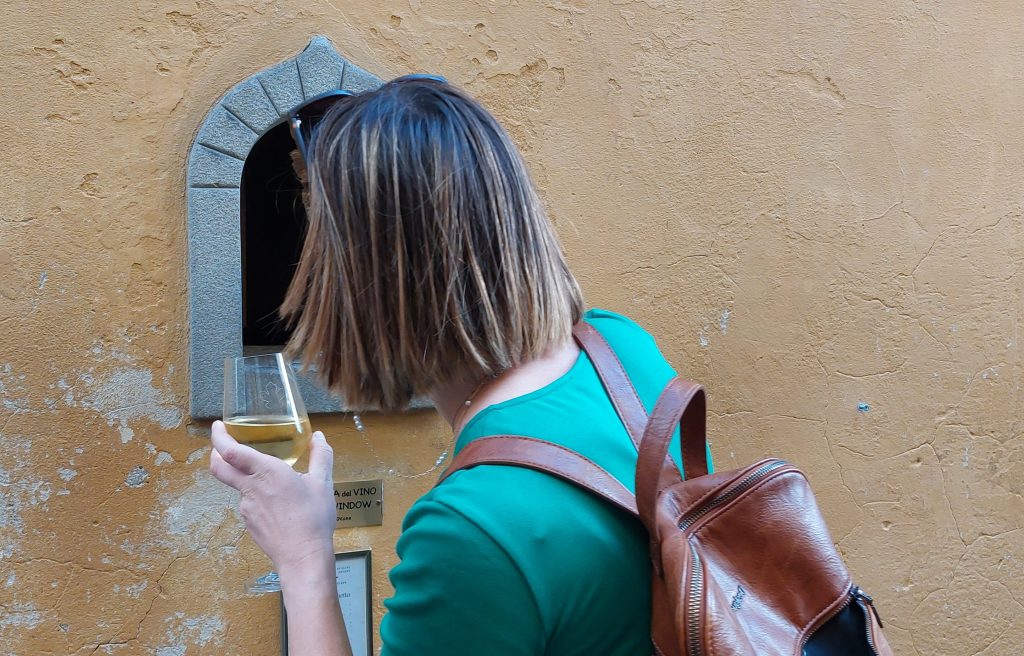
{"type": "Point", "coordinates": [428, 258]}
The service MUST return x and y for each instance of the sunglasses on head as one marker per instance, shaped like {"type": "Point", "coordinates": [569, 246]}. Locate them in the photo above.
{"type": "Point", "coordinates": [302, 120]}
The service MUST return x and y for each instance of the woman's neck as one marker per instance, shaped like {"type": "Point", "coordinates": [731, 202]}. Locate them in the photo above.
{"type": "Point", "coordinates": [450, 400]}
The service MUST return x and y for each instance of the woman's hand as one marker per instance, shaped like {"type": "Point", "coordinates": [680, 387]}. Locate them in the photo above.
{"type": "Point", "coordinates": [290, 515]}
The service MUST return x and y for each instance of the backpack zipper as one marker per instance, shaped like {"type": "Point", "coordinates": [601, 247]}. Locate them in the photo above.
{"type": "Point", "coordinates": [752, 478]}
{"type": "Point", "coordinates": [695, 600]}
{"type": "Point", "coordinates": [861, 598]}
{"type": "Point", "coordinates": [693, 606]}
{"type": "Point", "coordinates": [858, 595]}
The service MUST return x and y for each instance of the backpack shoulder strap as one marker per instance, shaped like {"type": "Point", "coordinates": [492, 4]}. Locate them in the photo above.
{"type": "Point", "coordinates": [547, 457]}
{"type": "Point", "coordinates": [614, 378]}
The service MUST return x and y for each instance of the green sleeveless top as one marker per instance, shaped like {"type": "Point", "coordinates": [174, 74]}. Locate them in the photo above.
{"type": "Point", "coordinates": [502, 560]}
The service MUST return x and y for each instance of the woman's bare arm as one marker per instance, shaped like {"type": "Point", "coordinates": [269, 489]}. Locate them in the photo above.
{"type": "Point", "coordinates": [291, 517]}
{"type": "Point", "coordinates": [315, 625]}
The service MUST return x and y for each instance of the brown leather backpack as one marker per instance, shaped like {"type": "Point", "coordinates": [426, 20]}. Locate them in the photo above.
{"type": "Point", "coordinates": [742, 561]}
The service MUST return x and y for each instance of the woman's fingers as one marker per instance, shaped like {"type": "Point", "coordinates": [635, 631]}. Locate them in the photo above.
{"type": "Point", "coordinates": [224, 472]}
{"type": "Point", "coordinates": [321, 459]}
{"type": "Point", "coordinates": [243, 458]}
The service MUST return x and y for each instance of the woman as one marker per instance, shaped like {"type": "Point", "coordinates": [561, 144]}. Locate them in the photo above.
{"type": "Point", "coordinates": [430, 268]}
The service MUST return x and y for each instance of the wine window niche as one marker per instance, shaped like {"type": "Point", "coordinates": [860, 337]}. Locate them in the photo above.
{"type": "Point", "coordinates": [273, 222]}
{"type": "Point", "coordinates": [246, 221]}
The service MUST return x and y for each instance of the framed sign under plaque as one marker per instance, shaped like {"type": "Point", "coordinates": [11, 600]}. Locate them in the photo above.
{"type": "Point", "coordinates": [355, 592]}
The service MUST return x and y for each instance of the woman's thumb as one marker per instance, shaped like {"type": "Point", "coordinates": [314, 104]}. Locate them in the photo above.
{"type": "Point", "coordinates": [321, 458]}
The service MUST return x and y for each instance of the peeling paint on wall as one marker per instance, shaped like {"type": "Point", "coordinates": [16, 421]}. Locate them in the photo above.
{"type": "Point", "coordinates": [13, 392]}
{"type": "Point", "coordinates": [184, 631]}
{"type": "Point", "coordinates": [810, 206]}
{"type": "Point", "coordinates": [21, 615]}
{"type": "Point", "coordinates": [723, 321]}
{"type": "Point", "coordinates": [128, 395]}
{"type": "Point", "coordinates": [19, 491]}
{"type": "Point", "coordinates": [137, 477]}
{"type": "Point", "coordinates": [193, 512]}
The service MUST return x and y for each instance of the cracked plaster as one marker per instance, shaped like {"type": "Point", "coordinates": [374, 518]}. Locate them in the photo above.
{"type": "Point", "coordinates": [844, 180]}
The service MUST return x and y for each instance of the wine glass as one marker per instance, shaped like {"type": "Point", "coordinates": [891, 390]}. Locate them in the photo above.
{"type": "Point", "coordinates": [263, 408]}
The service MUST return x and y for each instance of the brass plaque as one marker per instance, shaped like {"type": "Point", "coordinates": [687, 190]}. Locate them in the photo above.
{"type": "Point", "coordinates": [359, 503]}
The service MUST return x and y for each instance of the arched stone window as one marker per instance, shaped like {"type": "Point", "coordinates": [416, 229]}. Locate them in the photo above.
{"type": "Point", "coordinates": [251, 110]}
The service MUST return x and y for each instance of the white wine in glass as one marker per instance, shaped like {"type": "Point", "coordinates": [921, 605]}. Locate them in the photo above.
{"type": "Point", "coordinates": [263, 408]}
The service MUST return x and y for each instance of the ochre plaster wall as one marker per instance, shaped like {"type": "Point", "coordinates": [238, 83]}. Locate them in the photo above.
{"type": "Point", "coordinates": [812, 205]}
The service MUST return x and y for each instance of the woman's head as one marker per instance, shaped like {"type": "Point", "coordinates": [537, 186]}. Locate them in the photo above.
{"type": "Point", "coordinates": [428, 257]}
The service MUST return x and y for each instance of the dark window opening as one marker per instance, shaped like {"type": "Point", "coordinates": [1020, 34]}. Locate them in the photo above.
{"type": "Point", "coordinates": [273, 223]}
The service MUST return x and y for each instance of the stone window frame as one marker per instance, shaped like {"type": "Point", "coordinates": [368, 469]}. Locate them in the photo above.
{"type": "Point", "coordinates": [231, 128]}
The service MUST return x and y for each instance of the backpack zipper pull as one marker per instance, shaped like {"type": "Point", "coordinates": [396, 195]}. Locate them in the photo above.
{"type": "Point", "coordinates": [860, 594]}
